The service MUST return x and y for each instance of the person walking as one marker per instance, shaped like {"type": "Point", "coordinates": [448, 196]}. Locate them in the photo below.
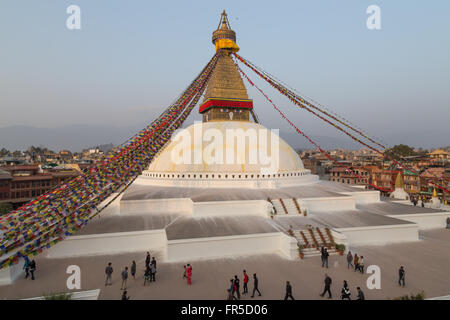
{"type": "Point", "coordinates": [327, 288]}
{"type": "Point", "coordinates": [356, 261]}
{"type": "Point", "coordinates": [401, 276]}
{"type": "Point", "coordinates": [153, 272]}
{"type": "Point", "coordinates": [288, 291]}
{"type": "Point", "coordinates": [124, 279]}
{"type": "Point", "coordinates": [448, 223]}
{"type": "Point", "coordinates": [326, 255]}
{"type": "Point", "coordinates": [147, 260]}
{"type": "Point", "coordinates": [361, 264]}
{"type": "Point", "coordinates": [360, 294]}
{"type": "Point", "coordinates": [230, 294]}
{"type": "Point", "coordinates": [184, 273]}
{"type": "Point", "coordinates": [245, 283]}
{"type": "Point", "coordinates": [345, 292]}
{"type": "Point", "coordinates": [233, 289]}
{"type": "Point", "coordinates": [108, 271]}
{"type": "Point", "coordinates": [32, 268]}
{"type": "Point", "coordinates": [133, 270]}
{"type": "Point", "coordinates": [255, 285]}
{"type": "Point", "coordinates": [322, 256]}
{"type": "Point", "coordinates": [26, 266]}
{"type": "Point", "coordinates": [189, 274]}
{"type": "Point", "coordinates": [154, 261]}
{"type": "Point", "coordinates": [349, 260]}
{"type": "Point", "coordinates": [124, 295]}
{"type": "Point", "coordinates": [237, 284]}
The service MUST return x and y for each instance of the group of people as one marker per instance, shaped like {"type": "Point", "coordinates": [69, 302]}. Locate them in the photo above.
{"type": "Point", "coordinates": [29, 267]}
{"type": "Point", "coordinates": [234, 291]}
{"type": "Point", "coordinates": [355, 262]}
{"type": "Point", "coordinates": [150, 269]}
{"type": "Point", "coordinates": [345, 292]}
{"type": "Point", "coordinates": [415, 201]}
{"type": "Point", "coordinates": [149, 274]}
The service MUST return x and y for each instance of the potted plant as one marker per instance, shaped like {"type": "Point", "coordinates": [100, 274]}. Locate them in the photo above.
{"type": "Point", "coordinates": [300, 251]}
{"type": "Point", "coordinates": [340, 248]}
{"type": "Point", "coordinates": [305, 212]}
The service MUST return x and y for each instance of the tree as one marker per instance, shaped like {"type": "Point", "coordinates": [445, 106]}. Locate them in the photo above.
{"type": "Point", "coordinates": [3, 152]}
{"type": "Point", "coordinates": [400, 150]}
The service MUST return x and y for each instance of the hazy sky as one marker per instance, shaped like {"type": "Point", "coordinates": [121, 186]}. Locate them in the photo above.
{"type": "Point", "coordinates": [132, 58]}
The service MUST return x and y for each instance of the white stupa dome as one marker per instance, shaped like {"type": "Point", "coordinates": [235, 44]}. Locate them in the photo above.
{"type": "Point", "coordinates": [216, 146]}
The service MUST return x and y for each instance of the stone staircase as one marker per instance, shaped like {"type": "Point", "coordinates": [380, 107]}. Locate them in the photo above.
{"type": "Point", "coordinates": [286, 206]}
{"type": "Point", "coordinates": [314, 239]}
{"type": "Point", "coordinates": [278, 207]}
{"type": "Point", "coordinates": [290, 206]}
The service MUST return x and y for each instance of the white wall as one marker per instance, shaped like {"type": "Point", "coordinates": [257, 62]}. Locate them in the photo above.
{"type": "Point", "coordinates": [114, 207]}
{"type": "Point", "coordinates": [230, 208]}
{"type": "Point", "coordinates": [327, 204]}
{"type": "Point", "coordinates": [363, 197]}
{"type": "Point", "coordinates": [289, 247]}
{"type": "Point", "coordinates": [380, 234]}
{"type": "Point", "coordinates": [9, 274]}
{"type": "Point", "coordinates": [339, 237]}
{"type": "Point", "coordinates": [214, 247]}
{"type": "Point", "coordinates": [108, 243]}
{"type": "Point", "coordinates": [173, 205]}
{"type": "Point", "coordinates": [426, 220]}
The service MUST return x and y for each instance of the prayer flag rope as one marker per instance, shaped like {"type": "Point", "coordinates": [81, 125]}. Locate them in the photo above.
{"type": "Point", "coordinates": [306, 136]}
{"type": "Point", "coordinates": [306, 105]}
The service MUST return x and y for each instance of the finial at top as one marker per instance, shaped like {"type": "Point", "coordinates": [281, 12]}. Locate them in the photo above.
{"type": "Point", "coordinates": [223, 22]}
{"type": "Point", "coordinates": [224, 37]}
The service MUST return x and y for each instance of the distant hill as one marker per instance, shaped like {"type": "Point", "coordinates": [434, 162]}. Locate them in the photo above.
{"type": "Point", "coordinates": [74, 138]}
{"type": "Point", "coordinates": [78, 137]}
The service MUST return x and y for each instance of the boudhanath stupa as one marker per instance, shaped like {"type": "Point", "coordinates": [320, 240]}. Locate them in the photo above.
{"type": "Point", "coordinates": [208, 195]}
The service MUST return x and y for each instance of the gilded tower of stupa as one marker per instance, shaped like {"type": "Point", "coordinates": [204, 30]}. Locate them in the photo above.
{"type": "Point", "coordinates": [226, 97]}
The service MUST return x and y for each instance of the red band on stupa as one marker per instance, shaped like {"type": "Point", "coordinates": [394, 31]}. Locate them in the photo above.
{"type": "Point", "coordinates": [228, 103]}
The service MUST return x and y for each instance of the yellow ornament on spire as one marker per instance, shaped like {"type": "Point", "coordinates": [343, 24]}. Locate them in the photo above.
{"type": "Point", "coordinates": [224, 37]}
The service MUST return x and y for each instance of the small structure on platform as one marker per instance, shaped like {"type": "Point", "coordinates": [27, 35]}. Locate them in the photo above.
{"type": "Point", "coordinates": [435, 201]}
{"type": "Point", "coordinates": [399, 191]}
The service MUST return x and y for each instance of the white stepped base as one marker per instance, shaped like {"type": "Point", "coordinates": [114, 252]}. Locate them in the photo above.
{"type": "Point", "coordinates": [218, 247]}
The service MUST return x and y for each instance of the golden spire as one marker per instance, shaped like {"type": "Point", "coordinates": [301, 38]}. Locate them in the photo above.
{"type": "Point", "coordinates": [399, 181]}
{"type": "Point", "coordinates": [434, 193]}
{"type": "Point", "coordinates": [225, 97]}
{"type": "Point", "coordinates": [224, 37]}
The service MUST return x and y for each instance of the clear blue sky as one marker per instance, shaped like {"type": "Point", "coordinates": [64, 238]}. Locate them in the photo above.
{"type": "Point", "coordinates": [132, 58]}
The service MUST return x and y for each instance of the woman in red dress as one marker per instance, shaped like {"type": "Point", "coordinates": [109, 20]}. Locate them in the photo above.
{"type": "Point", "coordinates": [189, 274]}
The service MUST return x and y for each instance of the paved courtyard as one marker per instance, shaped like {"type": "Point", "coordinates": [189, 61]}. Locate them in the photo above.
{"type": "Point", "coordinates": [426, 263]}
